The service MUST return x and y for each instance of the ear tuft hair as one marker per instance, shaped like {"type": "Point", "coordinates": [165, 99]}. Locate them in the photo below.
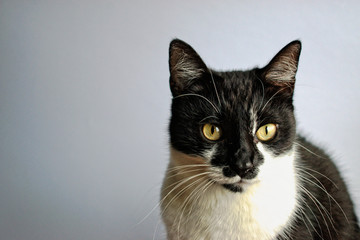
{"type": "Point", "coordinates": [185, 66]}
{"type": "Point", "coordinates": [282, 68]}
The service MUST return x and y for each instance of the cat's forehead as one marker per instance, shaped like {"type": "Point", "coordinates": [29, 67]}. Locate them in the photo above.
{"type": "Point", "coordinates": [239, 88]}
{"type": "Point", "coordinates": [239, 83]}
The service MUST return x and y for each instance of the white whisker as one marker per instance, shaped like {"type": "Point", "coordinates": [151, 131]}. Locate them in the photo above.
{"type": "Point", "coordinates": [316, 179]}
{"type": "Point", "coordinates": [194, 193]}
{"type": "Point", "coordinates": [306, 168]}
{"type": "Point", "coordinates": [183, 189]}
{"type": "Point", "coordinates": [329, 196]}
{"type": "Point", "coordinates": [216, 91]}
{"type": "Point", "coordinates": [177, 168]}
{"type": "Point", "coordinates": [318, 204]}
{"type": "Point", "coordinates": [263, 91]}
{"type": "Point", "coordinates": [308, 150]}
{"type": "Point", "coordinates": [315, 217]}
{"type": "Point", "coordinates": [205, 118]}
{"type": "Point", "coordinates": [178, 184]}
{"type": "Point", "coordinates": [198, 95]}
{"type": "Point", "coordinates": [270, 100]}
{"type": "Point", "coordinates": [304, 215]}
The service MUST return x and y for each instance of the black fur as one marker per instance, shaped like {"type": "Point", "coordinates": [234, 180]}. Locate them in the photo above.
{"type": "Point", "coordinates": [227, 99]}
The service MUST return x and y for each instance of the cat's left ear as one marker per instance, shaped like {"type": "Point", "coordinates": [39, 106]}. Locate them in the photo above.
{"type": "Point", "coordinates": [282, 68]}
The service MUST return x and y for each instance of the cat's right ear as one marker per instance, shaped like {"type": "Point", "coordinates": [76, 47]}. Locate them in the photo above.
{"type": "Point", "coordinates": [185, 65]}
{"type": "Point", "coordinates": [281, 70]}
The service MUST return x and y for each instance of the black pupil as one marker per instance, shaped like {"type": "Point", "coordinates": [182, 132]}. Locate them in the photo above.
{"type": "Point", "coordinates": [266, 130]}
{"type": "Point", "coordinates": [212, 130]}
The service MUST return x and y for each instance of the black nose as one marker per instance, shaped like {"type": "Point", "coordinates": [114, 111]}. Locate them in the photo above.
{"type": "Point", "coordinates": [247, 172]}
{"type": "Point", "coordinates": [243, 162]}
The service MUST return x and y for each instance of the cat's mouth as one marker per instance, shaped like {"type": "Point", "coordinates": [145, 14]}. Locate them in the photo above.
{"type": "Point", "coordinates": [234, 184]}
{"type": "Point", "coordinates": [240, 185]}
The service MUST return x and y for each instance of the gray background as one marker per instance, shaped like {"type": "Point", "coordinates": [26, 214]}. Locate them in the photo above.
{"type": "Point", "coordinates": [84, 101]}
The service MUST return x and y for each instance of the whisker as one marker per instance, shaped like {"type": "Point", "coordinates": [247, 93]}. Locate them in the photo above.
{"type": "Point", "coordinates": [304, 215]}
{"type": "Point", "coordinates": [205, 118]}
{"type": "Point", "coordinates": [183, 189]}
{"type": "Point", "coordinates": [193, 194]}
{"type": "Point", "coordinates": [271, 99]}
{"type": "Point", "coordinates": [179, 180]}
{"type": "Point", "coordinates": [318, 205]}
{"type": "Point", "coordinates": [178, 184]}
{"type": "Point", "coordinates": [182, 208]}
{"type": "Point", "coordinates": [182, 172]}
{"type": "Point", "coordinates": [176, 168]}
{"type": "Point", "coordinates": [317, 221]}
{"type": "Point", "coordinates": [316, 179]}
{"type": "Point", "coordinates": [263, 90]}
{"type": "Point", "coordinates": [210, 183]}
{"type": "Point", "coordinates": [309, 150]}
{"type": "Point", "coordinates": [310, 169]}
{"type": "Point", "coordinates": [216, 91]}
{"type": "Point", "coordinates": [330, 196]}
{"type": "Point", "coordinates": [198, 95]}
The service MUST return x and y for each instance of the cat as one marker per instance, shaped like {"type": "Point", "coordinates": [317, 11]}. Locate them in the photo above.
{"type": "Point", "coordinates": [238, 169]}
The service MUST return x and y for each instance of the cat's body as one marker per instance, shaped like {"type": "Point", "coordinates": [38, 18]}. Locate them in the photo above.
{"type": "Point", "coordinates": [238, 170]}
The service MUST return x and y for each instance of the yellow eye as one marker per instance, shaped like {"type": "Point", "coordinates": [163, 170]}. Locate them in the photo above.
{"type": "Point", "coordinates": [266, 132]}
{"type": "Point", "coordinates": [211, 132]}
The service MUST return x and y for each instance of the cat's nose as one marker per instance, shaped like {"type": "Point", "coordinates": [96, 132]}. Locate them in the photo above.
{"type": "Point", "coordinates": [243, 161]}
{"type": "Point", "coordinates": [243, 169]}
{"type": "Point", "coordinates": [244, 164]}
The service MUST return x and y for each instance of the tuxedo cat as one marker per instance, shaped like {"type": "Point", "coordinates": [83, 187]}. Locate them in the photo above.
{"type": "Point", "coordinates": [238, 169]}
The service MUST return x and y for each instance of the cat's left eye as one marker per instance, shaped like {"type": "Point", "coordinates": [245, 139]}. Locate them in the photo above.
{"type": "Point", "coordinates": [266, 132]}
{"type": "Point", "coordinates": [211, 132]}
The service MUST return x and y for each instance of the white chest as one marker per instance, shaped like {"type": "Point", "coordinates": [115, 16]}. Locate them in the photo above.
{"type": "Point", "coordinates": [254, 215]}
{"type": "Point", "coordinates": [263, 211]}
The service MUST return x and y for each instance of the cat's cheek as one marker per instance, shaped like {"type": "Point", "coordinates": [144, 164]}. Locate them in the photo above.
{"type": "Point", "coordinates": [276, 168]}
{"type": "Point", "coordinates": [276, 189]}
{"type": "Point", "coordinates": [209, 154]}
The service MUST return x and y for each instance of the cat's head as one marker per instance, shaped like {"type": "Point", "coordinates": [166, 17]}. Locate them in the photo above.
{"type": "Point", "coordinates": [235, 121]}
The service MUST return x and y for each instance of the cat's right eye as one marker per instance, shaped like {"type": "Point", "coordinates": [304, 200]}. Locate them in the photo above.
{"type": "Point", "coordinates": [211, 132]}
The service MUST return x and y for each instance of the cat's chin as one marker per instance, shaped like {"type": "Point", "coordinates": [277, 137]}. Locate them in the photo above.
{"type": "Point", "coordinates": [233, 187]}
{"type": "Point", "coordinates": [240, 186]}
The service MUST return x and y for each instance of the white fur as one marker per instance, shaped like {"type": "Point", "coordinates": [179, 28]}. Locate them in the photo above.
{"type": "Point", "coordinates": [208, 154]}
{"type": "Point", "coordinates": [263, 210]}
